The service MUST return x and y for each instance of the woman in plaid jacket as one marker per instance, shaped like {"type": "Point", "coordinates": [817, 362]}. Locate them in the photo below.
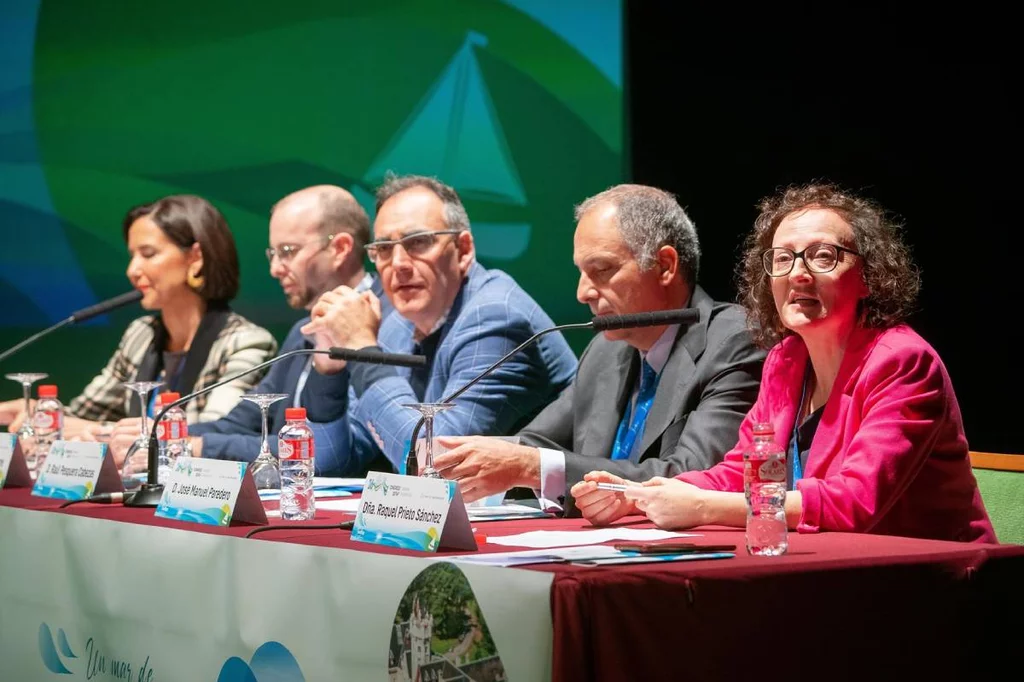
{"type": "Point", "coordinates": [183, 260]}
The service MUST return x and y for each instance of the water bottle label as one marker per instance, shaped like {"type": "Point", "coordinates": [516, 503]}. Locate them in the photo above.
{"type": "Point", "coordinates": [295, 448]}
{"type": "Point", "coordinates": [49, 419]}
{"type": "Point", "coordinates": [772, 470]}
{"type": "Point", "coordinates": [176, 431]}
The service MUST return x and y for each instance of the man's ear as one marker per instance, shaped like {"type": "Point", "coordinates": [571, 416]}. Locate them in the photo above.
{"type": "Point", "coordinates": [467, 251]}
{"type": "Point", "coordinates": [667, 261]}
{"type": "Point", "coordinates": [341, 246]}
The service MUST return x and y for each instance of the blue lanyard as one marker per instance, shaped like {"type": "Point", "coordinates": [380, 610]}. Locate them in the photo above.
{"type": "Point", "coordinates": [797, 467]}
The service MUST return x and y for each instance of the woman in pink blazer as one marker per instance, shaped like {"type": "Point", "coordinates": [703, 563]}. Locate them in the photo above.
{"type": "Point", "coordinates": [863, 399]}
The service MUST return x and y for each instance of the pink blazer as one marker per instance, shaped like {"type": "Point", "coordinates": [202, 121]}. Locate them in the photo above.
{"type": "Point", "coordinates": [889, 455]}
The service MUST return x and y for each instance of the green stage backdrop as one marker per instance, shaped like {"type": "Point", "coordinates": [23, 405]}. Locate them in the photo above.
{"type": "Point", "coordinates": [517, 103]}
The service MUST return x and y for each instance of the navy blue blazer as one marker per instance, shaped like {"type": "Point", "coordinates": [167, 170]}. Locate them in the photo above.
{"type": "Point", "coordinates": [236, 435]}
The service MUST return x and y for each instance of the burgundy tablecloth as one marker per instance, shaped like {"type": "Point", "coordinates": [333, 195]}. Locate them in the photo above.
{"type": "Point", "coordinates": [837, 606]}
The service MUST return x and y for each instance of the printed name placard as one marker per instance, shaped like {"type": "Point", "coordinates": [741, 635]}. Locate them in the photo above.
{"type": "Point", "coordinates": [13, 469]}
{"type": "Point", "coordinates": [412, 513]}
{"type": "Point", "coordinates": [212, 492]}
{"type": "Point", "coordinates": [74, 471]}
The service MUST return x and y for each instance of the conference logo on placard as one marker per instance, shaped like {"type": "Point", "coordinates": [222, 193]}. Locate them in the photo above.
{"type": "Point", "coordinates": [439, 632]}
{"type": "Point", "coordinates": [272, 662]}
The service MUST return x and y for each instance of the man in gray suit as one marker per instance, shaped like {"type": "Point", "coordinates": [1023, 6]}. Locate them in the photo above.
{"type": "Point", "coordinates": [645, 402]}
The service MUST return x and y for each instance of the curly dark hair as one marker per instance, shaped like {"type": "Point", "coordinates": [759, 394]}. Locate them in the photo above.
{"type": "Point", "coordinates": [892, 279]}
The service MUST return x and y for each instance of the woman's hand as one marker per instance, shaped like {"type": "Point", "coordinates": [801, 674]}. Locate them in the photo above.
{"type": "Point", "coordinates": [669, 503]}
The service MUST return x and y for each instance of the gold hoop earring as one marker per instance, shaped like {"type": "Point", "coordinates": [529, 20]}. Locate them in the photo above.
{"type": "Point", "coordinates": [194, 280]}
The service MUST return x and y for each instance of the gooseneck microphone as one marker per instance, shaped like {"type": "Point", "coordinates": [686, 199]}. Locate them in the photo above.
{"type": "Point", "coordinates": [151, 491]}
{"type": "Point", "coordinates": [680, 316]}
{"type": "Point", "coordinates": [77, 316]}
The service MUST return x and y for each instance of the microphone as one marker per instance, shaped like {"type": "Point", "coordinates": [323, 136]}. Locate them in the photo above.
{"type": "Point", "coordinates": [376, 356]}
{"type": "Point", "coordinates": [152, 490]}
{"type": "Point", "coordinates": [104, 306]}
{"type": "Point", "coordinates": [77, 316]}
{"type": "Point", "coordinates": [685, 316]}
{"type": "Point", "coordinates": [681, 316]}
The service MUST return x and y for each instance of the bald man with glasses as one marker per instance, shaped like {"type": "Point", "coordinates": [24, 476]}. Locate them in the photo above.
{"type": "Point", "coordinates": [317, 240]}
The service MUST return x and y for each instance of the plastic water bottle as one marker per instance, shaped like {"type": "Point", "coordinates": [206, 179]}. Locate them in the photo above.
{"type": "Point", "coordinates": [764, 484]}
{"type": "Point", "coordinates": [295, 449]}
{"type": "Point", "coordinates": [48, 424]}
{"type": "Point", "coordinates": [171, 435]}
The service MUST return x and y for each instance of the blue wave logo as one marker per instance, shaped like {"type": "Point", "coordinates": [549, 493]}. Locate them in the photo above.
{"type": "Point", "coordinates": [272, 662]}
{"type": "Point", "coordinates": [48, 651]}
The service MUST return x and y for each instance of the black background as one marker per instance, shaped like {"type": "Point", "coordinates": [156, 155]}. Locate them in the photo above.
{"type": "Point", "coordinates": [913, 111]}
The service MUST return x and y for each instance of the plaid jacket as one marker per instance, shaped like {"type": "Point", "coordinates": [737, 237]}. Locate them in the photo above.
{"type": "Point", "coordinates": [240, 345]}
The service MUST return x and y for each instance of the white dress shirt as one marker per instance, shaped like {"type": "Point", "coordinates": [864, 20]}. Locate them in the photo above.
{"type": "Point", "coordinates": [552, 462]}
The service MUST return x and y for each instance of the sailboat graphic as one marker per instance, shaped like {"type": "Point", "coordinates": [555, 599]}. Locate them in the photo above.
{"type": "Point", "coordinates": [454, 133]}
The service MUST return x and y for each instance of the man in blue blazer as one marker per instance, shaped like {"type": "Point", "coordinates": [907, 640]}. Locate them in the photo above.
{"type": "Point", "coordinates": [451, 309]}
{"type": "Point", "coordinates": [317, 240]}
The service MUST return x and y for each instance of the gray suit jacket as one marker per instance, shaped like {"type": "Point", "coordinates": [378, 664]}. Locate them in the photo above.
{"type": "Point", "coordinates": [707, 386]}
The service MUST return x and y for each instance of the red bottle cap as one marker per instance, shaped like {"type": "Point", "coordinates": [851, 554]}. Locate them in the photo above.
{"type": "Point", "coordinates": [294, 413]}
{"type": "Point", "coordinates": [48, 391]}
{"type": "Point", "coordinates": [169, 397]}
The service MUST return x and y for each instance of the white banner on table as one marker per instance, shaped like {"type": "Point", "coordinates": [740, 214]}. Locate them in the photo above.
{"type": "Point", "coordinates": [118, 601]}
{"type": "Point", "coordinates": [13, 469]}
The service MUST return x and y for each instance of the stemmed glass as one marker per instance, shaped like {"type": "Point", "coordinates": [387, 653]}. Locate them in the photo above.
{"type": "Point", "coordinates": [429, 410]}
{"type": "Point", "coordinates": [26, 433]}
{"type": "Point", "coordinates": [136, 460]}
{"type": "Point", "coordinates": [266, 473]}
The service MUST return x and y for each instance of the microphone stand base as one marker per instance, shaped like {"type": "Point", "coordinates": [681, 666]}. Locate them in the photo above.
{"type": "Point", "coordinates": [147, 496]}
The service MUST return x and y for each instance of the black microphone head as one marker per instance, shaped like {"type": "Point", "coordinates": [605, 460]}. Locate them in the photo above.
{"type": "Point", "coordinates": [105, 306]}
{"type": "Point", "coordinates": [683, 316]}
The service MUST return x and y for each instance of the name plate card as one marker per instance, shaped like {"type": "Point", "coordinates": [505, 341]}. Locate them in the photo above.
{"type": "Point", "coordinates": [75, 471]}
{"type": "Point", "coordinates": [410, 512]}
{"type": "Point", "coordinates": [212, 492]}
{"type": "Point", "coordinates": [13, 468]}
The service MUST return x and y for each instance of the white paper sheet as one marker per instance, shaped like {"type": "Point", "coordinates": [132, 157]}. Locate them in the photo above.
{"type": "Point", "coordinates": [576, 538]}
{"type": "Point", "coordinates": [351, 506]}
{"type": "Point", "coordinates": [535, 556]}
{"type": "Point", "coordinates": [330, 482]}
{"type": "Point", "coordinates": [503, 512]}
{"type": "Point", "coordinates": [318, 494]}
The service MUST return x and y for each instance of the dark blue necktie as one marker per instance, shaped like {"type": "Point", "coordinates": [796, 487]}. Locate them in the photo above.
{"type": "Point", "coordinates": [631, 429]}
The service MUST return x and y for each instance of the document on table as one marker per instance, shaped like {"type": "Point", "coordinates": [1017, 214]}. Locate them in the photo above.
{"type": "Point", "coordinates": [351, 506]}
{"type": "Point", "coordinates": [504, 512]}
{"type": "Point", "coordinates": [324, 487]}
{"type": "Point", "coordinates": [596, 555]}
{"type": "Point", "coordinates": [576, 538]}
{"type": "Point", "coordinates": [350, 484]}
{"type": "Point", "coordinates": [535, 556]}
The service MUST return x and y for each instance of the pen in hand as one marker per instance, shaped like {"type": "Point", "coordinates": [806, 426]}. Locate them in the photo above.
{"type": "Point", "coordinates": [614, 487]}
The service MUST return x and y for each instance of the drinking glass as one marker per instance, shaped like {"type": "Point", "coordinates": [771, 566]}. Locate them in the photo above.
{"type": "Point", "coordinates": [26, 434]}
{"type": "Point", "coordinates": [429, 410]}
{"type": "Point", "coordinates": [136, 460]}
{"type": "Point", "coordinates": [266, 473]}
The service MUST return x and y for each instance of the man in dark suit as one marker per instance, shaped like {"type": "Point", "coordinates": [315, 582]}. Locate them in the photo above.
{"type": "Point", "coordinates": [317, 240]}
{"type": "Point", "coordinates": [645, 402]}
